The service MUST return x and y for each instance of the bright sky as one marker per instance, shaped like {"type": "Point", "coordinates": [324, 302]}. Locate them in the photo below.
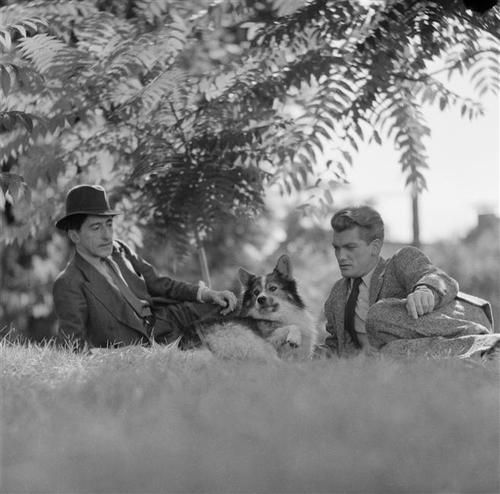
{"type": "Point", "coordinates": [463, 179]}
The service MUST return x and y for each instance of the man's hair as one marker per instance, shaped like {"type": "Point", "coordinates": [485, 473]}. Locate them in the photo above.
{"type": "Point", "coordinates": [74, 222]}
{"type": "Point", "coordinates": [366, 218]}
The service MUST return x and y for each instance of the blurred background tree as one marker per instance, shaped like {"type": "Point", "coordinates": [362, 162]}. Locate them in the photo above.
{"type": "Point", "coordinates": [188, 111]}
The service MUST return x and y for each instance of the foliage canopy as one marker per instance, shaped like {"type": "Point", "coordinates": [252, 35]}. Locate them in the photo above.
{"type": "Point", "coordinates": [187, 110]}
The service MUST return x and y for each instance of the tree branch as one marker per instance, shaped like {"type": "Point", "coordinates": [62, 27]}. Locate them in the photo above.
{"type": "Point", "coordinates": [181, 133]}
{"type": "Point", "coordinates": [400, 75]}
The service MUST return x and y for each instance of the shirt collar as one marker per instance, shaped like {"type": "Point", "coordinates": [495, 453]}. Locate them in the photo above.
{"type": "Point", "coordinates": [367, 278]}
{"type": "Point", "coordinates": [93, 261]}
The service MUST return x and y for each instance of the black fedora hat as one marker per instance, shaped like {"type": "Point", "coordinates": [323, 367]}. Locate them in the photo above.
{"type": "Point", "coordinates": [86, 199]}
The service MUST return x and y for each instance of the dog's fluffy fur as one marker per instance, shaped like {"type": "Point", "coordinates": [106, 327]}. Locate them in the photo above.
{"type": "Point", "coordinates": [273, 320]}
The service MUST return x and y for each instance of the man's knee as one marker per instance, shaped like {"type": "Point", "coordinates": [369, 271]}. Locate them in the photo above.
{"type": "Point", "coordinates": [478, 316]}
{"type": "Point", "coordinates": [197, 312]}
{"type": "Point", "coordinates": [388, 320]}
{"type": "Point", "coordinates": [376, 322]}
{"type": "Point", "coordinates": [385, 312]}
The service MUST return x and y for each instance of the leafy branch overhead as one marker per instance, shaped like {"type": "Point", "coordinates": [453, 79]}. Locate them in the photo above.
{"type": "Point", "coordinates": [197, 106]}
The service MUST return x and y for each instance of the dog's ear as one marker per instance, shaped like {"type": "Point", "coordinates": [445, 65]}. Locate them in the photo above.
{"type": "Point", "coordinates": [284, 266]}
{"type": "Point", "coordinates": [244, 276]}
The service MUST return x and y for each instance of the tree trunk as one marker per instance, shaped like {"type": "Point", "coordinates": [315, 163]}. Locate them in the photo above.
{"type": "Point", "coordinates": [205, 273]}
{"type": "Point", "coordinates": [415, 218]}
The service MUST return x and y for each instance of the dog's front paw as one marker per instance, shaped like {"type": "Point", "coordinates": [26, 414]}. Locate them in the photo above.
{"type": "Point", "coordinates": [294, 337]}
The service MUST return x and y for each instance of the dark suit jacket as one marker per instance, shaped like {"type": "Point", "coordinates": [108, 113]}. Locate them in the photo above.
{"type": "Point", "coordinates": [90, 310]}
{"type": "Point", "coordinates": [393, 278]}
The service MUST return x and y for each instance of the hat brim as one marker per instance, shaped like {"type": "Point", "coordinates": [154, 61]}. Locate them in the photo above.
{"type": "Point", "coordinates": [61, 224]}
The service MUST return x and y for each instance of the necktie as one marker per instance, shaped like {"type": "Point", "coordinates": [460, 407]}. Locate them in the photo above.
{"type": "Point", "coordinates": [350, 307]}
{"type": "Point", "coordinates": [140, 306]}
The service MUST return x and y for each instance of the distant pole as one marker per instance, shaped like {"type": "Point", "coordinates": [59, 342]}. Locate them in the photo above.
{"type": "Point", "coordinates": [415, 217]}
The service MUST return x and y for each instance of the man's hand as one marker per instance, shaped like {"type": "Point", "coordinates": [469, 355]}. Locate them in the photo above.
{"type": "Point", "coordinates": [420, 302]}
{"type": "Point", "coordinates": [225, 298]}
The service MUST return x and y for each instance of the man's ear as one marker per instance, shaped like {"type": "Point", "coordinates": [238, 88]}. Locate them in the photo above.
{"type": "Point", "coordinates": [244, 276]}
{"type": "Point", "coordinates": [376, 246]}
{"type": "Point", "coordinates": [284, 266]}
{"type": "Point", "coordinates": [73, 236]}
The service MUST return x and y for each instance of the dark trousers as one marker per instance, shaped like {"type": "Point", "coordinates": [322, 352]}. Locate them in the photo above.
{"type": "Point", "coordinates": [181, 320]}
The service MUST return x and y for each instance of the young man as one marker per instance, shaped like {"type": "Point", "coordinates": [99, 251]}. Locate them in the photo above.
{"type": "Point", "coordinates": [109, 296]}
{"type": "Point", "coordinates": [405, 297]}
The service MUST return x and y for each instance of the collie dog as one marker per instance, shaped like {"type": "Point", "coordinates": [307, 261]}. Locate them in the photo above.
{"type": "Point", "coordinates": [273, 320]}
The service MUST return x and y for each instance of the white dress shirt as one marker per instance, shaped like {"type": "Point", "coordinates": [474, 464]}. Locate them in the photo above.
{"type": "Point", "coordinates": [100, 266]}
{"type": "Point", "coordinates": [362, 306]}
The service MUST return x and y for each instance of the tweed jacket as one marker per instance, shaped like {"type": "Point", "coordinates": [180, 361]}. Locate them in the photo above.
{"type": "Point", "coordinates": [393, 278]}
{"type": "Point", "coordinates": [91, 311]}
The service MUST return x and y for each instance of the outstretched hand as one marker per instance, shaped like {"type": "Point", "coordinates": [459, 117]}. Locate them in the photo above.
{"type": "Point", "coordinates": [224, 298]}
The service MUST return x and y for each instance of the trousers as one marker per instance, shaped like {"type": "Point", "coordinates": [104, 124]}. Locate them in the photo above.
{"type": "Point", "coordinates": [388, 320]}
{"type": "Point", "coordinates": [180, 320]}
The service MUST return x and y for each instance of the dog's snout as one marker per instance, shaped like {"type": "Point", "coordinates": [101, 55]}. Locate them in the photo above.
{"type": "Point", "coordinates": [261, 299]}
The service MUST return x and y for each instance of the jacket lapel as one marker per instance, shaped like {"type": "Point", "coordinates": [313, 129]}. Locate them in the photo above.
{"type": "Point", "coordinates": [109, 296]}
{"type": "Point", "coordinates": [377, 281]}
{"type": "Point", "coordinates": [340, 301]}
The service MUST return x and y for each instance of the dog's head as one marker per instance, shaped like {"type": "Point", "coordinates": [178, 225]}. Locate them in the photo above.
{"type": "Point", "coordinates": [267, 297]}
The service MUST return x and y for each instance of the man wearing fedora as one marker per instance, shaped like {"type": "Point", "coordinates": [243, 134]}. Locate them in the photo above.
{"type": "Point", "coordinates": [109, 296]}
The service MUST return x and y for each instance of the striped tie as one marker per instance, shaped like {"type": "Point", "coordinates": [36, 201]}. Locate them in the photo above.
{"type": "Point", "coordinates": [140, 306]}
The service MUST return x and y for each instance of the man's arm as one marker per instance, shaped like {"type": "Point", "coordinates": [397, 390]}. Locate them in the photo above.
{"type": "Point", "coordinates": [71, 310]}
{"type": "Point", "coordinates": [427, 286]}
{"type": "Point", "coordinates": [159, 286]}
{"type": "Point", "coordinates": [163, 286]}
{"type": "Point", "coordinates": [331, 341]}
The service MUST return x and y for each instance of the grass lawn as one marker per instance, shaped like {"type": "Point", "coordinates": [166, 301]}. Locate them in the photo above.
{"type": "Point", "coordinates": [161, 421]}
